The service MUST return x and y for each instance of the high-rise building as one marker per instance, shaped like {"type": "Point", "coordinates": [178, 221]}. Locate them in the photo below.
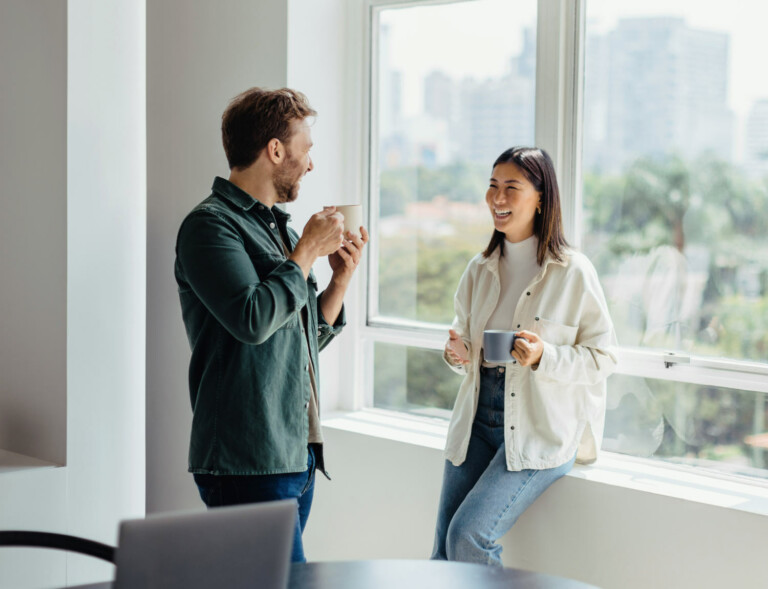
{"type": "Point", "coordinates": [756, 139]}
{"type": "Point", "coordinates": [440, 96]}
{"type": "Point", "coordinates": [655, 86]}
{"type": "Point", "coordinates": [499, 113]}
{"type": "Point", "coordinates": [390, 85]}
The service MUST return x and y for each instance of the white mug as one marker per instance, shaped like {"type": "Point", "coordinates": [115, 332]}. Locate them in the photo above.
{"type": "Point", "coordinates": [353, 217]}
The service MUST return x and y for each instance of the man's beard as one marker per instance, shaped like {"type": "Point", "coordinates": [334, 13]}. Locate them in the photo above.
{"type": "Point", "coordinates": [286, 191]}
{"type": "Point", "coordinates": [286, 182]}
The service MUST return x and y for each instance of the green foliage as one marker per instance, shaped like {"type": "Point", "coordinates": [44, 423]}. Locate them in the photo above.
{"type": "Point", "coordinates": [673, 202]}
{"type": "Point", "coordinates": [743, 327]}
{"type": "Point", "coordinates": [418, 274]}
{"type": "Point", "coordinates": [460, 182]}
{"type": "Point", "coordinates": [430, 382]}
{"type": "Point", "coordinates": [409, 378]}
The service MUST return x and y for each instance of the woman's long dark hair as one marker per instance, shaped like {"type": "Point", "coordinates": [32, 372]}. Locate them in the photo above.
{"type": "Point", "coordinates": [538, 168]}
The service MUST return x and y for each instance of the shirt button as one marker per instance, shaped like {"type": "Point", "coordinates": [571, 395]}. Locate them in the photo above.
{"type": "Point", "coordinates": [306, 405]}
{"type": "Point", "coordinates": [528, 294]}
{"type": "Point", "coordinates": [518, 326]}
{"type": "Point", "coordinates": [514, 361]}
{"type": "Point", "coordinates": [511, 427]}
{"type": "Point", "coordinates": [306, 367]}
{"type": "Point", "coordinates": [501, 370]}
{"type": "Point", "coordinates": [271, 225]}
{"type": "Point", "coordinates": [512, 394]}
{"type": "Point", "coordinates": [536, 318]}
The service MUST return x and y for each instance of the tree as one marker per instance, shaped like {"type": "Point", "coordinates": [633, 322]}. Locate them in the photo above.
{"type": "Point", "coordinates": [716, 220]}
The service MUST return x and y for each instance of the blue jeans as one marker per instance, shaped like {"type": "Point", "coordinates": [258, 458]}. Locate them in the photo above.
{"type": "Point", "coordinates": [481, 500]}
{"type": "Point", "coordinates": [221, 490]}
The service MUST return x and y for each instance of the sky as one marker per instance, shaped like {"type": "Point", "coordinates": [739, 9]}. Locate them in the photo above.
{"type": "Point", "coordinates": [457, 32]}
{"type": "Point", "coordinates": [450, 36]}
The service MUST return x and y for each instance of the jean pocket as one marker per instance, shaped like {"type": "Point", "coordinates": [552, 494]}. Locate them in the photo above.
{"type": "Point", "coordinates": [311, 468]}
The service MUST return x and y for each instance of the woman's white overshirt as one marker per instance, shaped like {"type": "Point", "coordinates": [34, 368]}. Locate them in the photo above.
{"type": "Point", "coordinates": [558, 408]}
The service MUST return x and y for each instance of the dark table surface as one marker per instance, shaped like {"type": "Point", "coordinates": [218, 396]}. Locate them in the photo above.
{"type": "Point", "coordinates": [412, 574]}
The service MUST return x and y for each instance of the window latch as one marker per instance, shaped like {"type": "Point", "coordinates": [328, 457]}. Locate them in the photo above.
{"type": "Point", "coordinates": [671, 358]}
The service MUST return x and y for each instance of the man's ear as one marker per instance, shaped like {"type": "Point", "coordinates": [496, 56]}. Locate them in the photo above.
{"type": "Point", "coordinates": [275, 151]}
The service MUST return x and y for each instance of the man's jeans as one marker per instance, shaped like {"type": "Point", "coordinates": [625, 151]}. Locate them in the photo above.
{"type": "Point", "coordinates": [218, 491]}
{"type": "Point", "coordinates": [481, 500]}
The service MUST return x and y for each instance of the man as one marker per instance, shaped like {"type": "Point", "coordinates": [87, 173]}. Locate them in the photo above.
{"type": "Point", "coordinates": [253, 317]}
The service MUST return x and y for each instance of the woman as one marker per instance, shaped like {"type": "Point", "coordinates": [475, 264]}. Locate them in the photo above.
{"type": "Point", "coordinates": [517, 427]}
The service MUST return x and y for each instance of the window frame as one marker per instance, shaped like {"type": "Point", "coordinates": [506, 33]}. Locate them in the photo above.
{"type": "Point", "coordinates": [560, 49]}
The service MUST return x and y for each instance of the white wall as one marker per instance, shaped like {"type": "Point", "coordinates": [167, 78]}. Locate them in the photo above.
{"type": "Point", "coordinates": [33, 227]}
{"type": "Point", "coordinates": [200, 55]}
{"type": "Point", "coordinates": [106, 270]}
{"type": "Point", "coordinates": [79, 214]}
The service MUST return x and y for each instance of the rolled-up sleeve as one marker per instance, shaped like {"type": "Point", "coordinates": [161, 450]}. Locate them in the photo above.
{"type": "Point", "coordinates": [462, 301]}
{"type": "Point", "coordinates": [325, 331]}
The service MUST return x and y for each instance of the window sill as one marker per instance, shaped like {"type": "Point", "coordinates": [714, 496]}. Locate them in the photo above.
{"type": "Point", "coordinates": [638, 474]}
{"type": "Point", "coordinates": [13, 462]}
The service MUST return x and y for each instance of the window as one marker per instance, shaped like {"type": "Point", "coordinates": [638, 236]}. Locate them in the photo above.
{"type": "Point", "coordinates": [675, 218]}
{"type": "Point", "coordinates": [452, 90]}
{"type": "Point", "coordinates": [658, 125]}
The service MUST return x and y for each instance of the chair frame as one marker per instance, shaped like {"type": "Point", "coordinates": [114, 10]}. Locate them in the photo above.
{"type": "Point", "coordinates": [59, 542]}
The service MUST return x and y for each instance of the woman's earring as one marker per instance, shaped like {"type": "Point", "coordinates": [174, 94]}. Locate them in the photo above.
{"type": "Point", "coordinates": [538, 210]}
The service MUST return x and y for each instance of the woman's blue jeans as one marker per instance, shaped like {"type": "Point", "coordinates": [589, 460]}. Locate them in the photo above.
{"type": "Point", "coordinates": [221, 490]}
{"type": "Point", "coordinates": [481, 500]}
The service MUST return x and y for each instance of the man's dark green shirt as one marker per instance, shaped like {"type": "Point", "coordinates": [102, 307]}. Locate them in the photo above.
{"type": "Point", "coordinates": [241, 300]}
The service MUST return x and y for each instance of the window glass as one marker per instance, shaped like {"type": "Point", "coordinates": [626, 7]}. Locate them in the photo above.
{"type": "Point", "coordinates": [675, 195]}
{"type": "Point", "coordinates": [453, 90]}
{"type": "Point", "coordinates": [413, 380]}
{"type": "Point", "coordinates": [675, 168]}
{"type": "Point", "coordinates": [705, 426]}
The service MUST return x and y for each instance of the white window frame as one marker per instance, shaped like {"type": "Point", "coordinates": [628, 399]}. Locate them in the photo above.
{"type": "Point", "coordinates": [558, 129]}
{"type": "Point", "coordinates": [558, 107]}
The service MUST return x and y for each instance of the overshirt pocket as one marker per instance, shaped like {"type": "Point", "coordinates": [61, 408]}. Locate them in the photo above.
{"type": "Point", "coordinates": [557, 334]}
{"type": "Point", "coordinates": [265, 262]}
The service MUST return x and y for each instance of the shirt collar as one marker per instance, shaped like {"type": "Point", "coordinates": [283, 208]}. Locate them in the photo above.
{"type": "Point", "coordinates": [242, 199]}
{"type": "Point", "coordinates": [233, 194]}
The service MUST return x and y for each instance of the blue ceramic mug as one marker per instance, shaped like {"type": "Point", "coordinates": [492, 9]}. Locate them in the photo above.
{"type": "Point", "coordinates": [497, 345]}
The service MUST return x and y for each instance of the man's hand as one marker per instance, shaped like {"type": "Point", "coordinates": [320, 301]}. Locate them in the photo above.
{"type": "Point", "coordinates": [528, 348]}
{"type": "Point", "coordinates": [344, 261]}
{"type": "Point", "coordinates": [456, 350]}
{"type": "Point", "coordinates": [322, 235]}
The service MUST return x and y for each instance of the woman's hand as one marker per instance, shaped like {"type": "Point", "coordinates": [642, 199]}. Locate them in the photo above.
{"type": "Point", "coordinates": [528, 348]}
{"type": "Point", "coordinates": [455, 349]}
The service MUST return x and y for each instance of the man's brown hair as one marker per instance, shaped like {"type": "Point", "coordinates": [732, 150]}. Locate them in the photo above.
{"type": "Point", "coordinates": [257, 116]}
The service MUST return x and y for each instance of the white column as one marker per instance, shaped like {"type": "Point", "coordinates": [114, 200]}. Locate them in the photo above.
{"type": "Point", "coordinates": [106, 269]}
